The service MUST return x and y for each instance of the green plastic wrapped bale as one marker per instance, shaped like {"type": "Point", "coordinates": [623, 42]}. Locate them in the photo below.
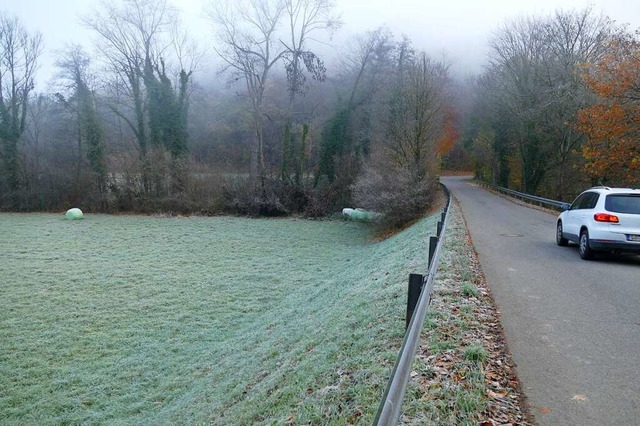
{"type": "Point", "coordinates": [73, 214]}
{"type": "Point", "coordinates": [360, 215]}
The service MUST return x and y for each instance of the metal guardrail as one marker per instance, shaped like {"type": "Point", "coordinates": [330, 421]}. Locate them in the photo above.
{"type": "Point", "coordinates": [391, 403]}
{"type": "Point", "coordinates": [542, 202]}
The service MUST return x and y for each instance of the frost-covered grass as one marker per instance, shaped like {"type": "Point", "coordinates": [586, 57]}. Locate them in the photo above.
{"type": "Point", "coordinates": [149, 320]}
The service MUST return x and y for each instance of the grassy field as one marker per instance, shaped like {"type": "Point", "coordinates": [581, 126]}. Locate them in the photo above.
{"type": "Point", "coordinates": [151, 320]}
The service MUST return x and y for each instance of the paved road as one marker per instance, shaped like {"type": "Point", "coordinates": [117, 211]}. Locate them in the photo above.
{"type": "Point", "coordinates": [573, 326]}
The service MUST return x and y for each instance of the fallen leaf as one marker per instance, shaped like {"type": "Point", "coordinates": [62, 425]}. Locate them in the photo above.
{"type": "Point", "coordinates": [354, 417]}
{"type": "Point", "coordinates": [579, 398]}
{"type": "Point", "coordinates": [491, 375]}
{"type": "Point", "coordinates": [545, 410]}
{"type": "Point", "coordinates": [497, 395]}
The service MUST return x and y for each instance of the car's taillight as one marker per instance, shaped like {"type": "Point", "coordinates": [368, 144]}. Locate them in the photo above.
{"type": "Point", "coordinates": [606, 217]}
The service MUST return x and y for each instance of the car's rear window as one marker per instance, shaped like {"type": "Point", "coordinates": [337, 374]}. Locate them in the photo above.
{"type": "Point", "coordinates": [623, 203]}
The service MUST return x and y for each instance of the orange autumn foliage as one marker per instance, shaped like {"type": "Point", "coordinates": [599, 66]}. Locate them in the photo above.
{"type": "Point", "coordinates": [450, 135]}
{"type": "Point", "coordinates": [612, 126]}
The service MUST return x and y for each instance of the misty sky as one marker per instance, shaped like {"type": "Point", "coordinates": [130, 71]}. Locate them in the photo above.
{"type": "Point", "coordinates": [460, 28]}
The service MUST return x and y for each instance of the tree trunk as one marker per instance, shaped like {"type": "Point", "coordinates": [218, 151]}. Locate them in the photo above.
{"type": "Point", "coordinates": [11, 162]}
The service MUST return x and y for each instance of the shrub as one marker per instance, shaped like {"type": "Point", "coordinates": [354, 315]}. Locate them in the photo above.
{"type": "Point", "coordinates": [245, 196]}
{"type": "Point", "coordinates": [399, 194]}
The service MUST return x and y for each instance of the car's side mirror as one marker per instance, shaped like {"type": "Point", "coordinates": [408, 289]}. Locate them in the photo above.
{"type": "Point", "coordinates": [565, 207]}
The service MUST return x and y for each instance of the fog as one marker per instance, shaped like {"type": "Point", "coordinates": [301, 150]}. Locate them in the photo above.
{"type": "Point", "coordinates": [458, 29]}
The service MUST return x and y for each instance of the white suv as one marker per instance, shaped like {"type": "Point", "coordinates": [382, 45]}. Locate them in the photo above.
{"type": "Point", "coordinates": [601, 219]}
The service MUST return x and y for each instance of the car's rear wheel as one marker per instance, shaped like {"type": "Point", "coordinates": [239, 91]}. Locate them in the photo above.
{"type": "Point", "coordinates": [560, 240]}
{"type": "Point", "coordinates": [585, 251]}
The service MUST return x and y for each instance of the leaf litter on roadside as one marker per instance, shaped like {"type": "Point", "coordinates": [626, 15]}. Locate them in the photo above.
{"type": "Point", "coordinates": [463, 373]}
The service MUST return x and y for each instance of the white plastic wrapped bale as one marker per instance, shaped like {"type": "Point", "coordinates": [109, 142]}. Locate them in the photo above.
{"type": "Point", "coordinates": [346, 213]}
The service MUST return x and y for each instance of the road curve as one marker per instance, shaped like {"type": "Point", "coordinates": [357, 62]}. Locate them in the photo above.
{"type": "Point", "coordinates": [573, 326]}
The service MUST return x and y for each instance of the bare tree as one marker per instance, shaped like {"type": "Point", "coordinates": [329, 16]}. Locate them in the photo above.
{"type": "Point", "coordinates": [398, 179]}
{"type": "Point", "coordinates": [141, 39]}
{"type": "Point", "coordinates": [250, 47]}
{"type": "Point", "coordinates": [365, 63]}
{"type": "Point", "coordinates": [534, 78]}
{"type": "Point", "coordinates": [80, 101]}
{"type": "Point", "coordinates": [38, 121]}
{"type": "Point", "coordinates": [19, 54]}
{"type": "Point", "coordinates": [417, 116]}
{"type": "Point", "coordinates": [131, 36]}
{"type": "Point", "coordinates": [305, 17]}
{"type": "Point", "coordinates": [367, 68]}
{"type": "Point", "coordinates": [575, 39]}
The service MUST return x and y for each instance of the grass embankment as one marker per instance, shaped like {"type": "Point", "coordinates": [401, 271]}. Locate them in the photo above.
{"type": "Point", "coordinates": [147, 320]}
{"type": "Point", "coordinates": [464, 374]}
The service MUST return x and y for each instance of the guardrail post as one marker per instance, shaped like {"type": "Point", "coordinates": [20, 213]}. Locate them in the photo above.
{"type": "Point", "coordinates": [433, 242]}
{"type": "Point", "coordinates": [415, 288]}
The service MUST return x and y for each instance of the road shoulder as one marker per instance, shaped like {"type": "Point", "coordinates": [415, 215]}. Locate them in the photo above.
{"type": "Point", "coordinates": [464, 371]}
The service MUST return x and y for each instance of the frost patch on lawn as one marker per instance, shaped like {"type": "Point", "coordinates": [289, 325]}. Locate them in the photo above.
{"type": "Point", "coordinates": [201, 320]}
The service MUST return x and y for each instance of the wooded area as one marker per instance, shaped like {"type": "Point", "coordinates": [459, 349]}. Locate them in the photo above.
{"type": "Point", "coordinates": [557, 108]}
{"type": "Point", "coordinates": [128, 128]}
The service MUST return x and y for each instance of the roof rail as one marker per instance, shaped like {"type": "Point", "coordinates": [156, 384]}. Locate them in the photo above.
{"type": "Point", "coordinates": [600, 187]}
